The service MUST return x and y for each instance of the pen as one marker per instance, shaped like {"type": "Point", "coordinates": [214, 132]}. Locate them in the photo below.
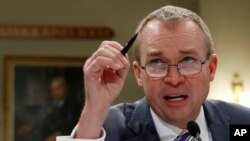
{"type": "Point", "coordinates": [129, 44]}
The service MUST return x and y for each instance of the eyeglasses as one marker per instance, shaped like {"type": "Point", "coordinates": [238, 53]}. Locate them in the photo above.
{"type": "Point", "coordinates": [186, 67]}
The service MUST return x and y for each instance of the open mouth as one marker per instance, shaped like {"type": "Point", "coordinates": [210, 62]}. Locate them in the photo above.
{"type": "Point", "coordinates": [175, 98]}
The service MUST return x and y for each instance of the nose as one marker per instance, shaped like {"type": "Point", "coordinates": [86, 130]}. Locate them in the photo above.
{"type": "Point", "coordinates": [174, 78]}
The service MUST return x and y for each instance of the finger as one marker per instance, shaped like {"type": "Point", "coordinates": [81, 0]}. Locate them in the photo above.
{"type": "Point", "coordinates": [109, 51]}
{"type": "Point", "coordinates": [101, 63]}
{"type": "Point", "coordinates": [117, 54]}
{"type": "Point", "coordinates": [108, 63]}
{"type": "Point", "coordinates": [114, 44]}
{"type": "Point", "coordinates": [104, 53]}
{"type": "Point", "coordinates": [122, 73]}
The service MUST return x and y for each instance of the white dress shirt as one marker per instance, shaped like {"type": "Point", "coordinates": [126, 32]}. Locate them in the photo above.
{"type": "Point", "coordinates": [71, 137]}
{"type": "Point", "coordinates": [169, 132]}
{"type": "Point", "coordinates": [165, 131]}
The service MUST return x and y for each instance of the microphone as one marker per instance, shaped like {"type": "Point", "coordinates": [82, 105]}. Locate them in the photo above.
{"type": "Point", "coordinates": [194, 129]}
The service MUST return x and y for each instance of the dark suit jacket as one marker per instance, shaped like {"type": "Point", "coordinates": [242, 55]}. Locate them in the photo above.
{"type": "Point", "coordinates": [60, 118]}
{"type": "Point", "coordinates": [133, 122]}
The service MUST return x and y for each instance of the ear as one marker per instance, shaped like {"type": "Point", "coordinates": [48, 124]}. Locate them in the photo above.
{"type": "Point", "coordinates": [213, 66]}
{"type": "Point", "coordinates": [137, 72]}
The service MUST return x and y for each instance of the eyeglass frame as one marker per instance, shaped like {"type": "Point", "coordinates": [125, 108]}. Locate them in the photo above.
{"type": "Point", "coordinates": [170, 65]}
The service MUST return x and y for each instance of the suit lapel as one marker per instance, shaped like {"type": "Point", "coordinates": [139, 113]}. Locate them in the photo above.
{"type": "Point", "coordinates": [217, 121]}
{"type": "Point", "coordinates": [141, 123]}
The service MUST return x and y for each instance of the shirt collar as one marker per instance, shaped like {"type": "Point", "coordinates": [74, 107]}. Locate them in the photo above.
{"type": "Point", "coordinates": [168, 132]}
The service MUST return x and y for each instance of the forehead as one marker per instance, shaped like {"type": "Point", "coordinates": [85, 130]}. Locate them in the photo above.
{"type": "Point", "coordinates": [180, 36]}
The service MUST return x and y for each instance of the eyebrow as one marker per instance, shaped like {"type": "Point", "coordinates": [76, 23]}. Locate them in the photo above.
{"type": "Point", "coordinates": [154, 53]}
{"type": "Point", "coordinates": [158, 52]}
{"type": "Point", "coordinates": [189, 51]}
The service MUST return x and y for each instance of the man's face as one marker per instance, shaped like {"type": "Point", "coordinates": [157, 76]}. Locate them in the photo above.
{"type": "Point", "coordinates": [58, 89]}
{"type": "Point", "coordinates": [175, 98]}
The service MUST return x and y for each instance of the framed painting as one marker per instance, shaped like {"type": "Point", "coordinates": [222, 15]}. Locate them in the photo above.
{"type": "Point", "coordinates": [43, 97]}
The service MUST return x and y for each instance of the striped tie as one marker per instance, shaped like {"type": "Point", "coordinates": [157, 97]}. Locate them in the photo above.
{"type": "Point", "coordinates": [185, 137]}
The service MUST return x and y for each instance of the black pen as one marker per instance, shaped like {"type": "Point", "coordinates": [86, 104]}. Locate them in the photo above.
{"type": "Point", "coordinates": [129, 44]}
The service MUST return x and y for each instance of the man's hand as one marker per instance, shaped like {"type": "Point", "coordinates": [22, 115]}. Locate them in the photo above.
{"type": "Point", "coordinates": [104, 75]}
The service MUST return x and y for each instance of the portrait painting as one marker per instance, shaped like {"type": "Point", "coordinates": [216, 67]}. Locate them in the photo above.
{"type": "Point", "coordinates": [43, 97]}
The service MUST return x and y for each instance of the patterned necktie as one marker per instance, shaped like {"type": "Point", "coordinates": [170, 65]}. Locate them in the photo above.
{"type": "Point", "coordinates": [185, 137]}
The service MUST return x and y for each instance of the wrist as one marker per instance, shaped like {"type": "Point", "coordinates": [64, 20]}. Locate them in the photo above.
{"type": "Point", "coordinates": [91, 122]}
{"type": "Point", "coordinates": [95, 108]}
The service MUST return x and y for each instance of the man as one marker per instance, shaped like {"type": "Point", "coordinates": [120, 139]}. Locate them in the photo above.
{"type": "Point", "coordinates": [174, 65]}
{"type": "Point", "coordinates": [62, 115]}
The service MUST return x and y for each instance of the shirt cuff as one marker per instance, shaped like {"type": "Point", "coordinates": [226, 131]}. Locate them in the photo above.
{"type": "Point", "coordinates": [71, 137]}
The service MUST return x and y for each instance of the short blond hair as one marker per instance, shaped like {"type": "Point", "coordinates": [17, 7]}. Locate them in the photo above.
{"type": "Point", "coordinates": [174, 13]}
